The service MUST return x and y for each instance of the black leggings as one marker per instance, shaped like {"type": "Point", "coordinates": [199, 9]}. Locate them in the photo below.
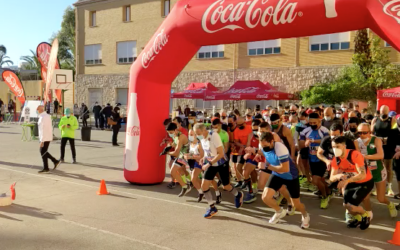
{"type": "Point", "coordinates": [396, 168]}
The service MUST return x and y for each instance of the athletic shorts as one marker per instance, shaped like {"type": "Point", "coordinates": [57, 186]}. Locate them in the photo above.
{"type": "Point", "coordinates": [293, 186]}
{"type": "Point", "coordinates": [180, 162]}
{"type": "Point", "coordinates": [252, 162]}
{"type": "Point", "coordinates": [396, 168]}
{"type": "Point", "coordinates": [223, 171]}
{"type": "Point", "coordinates": [379, 174]}
{"type": "Point", "coordinates": [238, 159]}
{"type": "Point", "coordinates": [267, 171]}
{"type": "Point", "coordinates": [304, 153]}
{"type": "Point", "coordinates": [318, 168]}
{"type": "Point", "coordinates": [355, 193]}
{"type": "Point", "coordinates": [388, 151]}
{"type": "Point", "coordinates": [194, 164]}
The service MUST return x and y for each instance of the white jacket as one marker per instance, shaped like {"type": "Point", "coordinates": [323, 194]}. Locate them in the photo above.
{"type": "Point", "coordinates": [45, 127]}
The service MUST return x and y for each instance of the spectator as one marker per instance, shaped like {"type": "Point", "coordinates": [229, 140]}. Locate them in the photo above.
{"type": "Point", "coordinates": [84, 114]}
{"type": "Point", "coordinates": [76, 112]}
{"type": "Point", "coordinates": [179, 110]}
{"type": "Point", "coordinates": [116, 119]}
{"type": "Point", "coordinates": [96, 111]}
{"type": "Point", "coordinates": [68, 124]}
{"type": "Point", "coordinates": [187, 111]}
{"type": "Point", "coordinates": [1, 110]}
{"type": "Point", "coordinates": [107, 111]}
{"type": "Point", "coordinates": [56, 105]}
{"type": "Point", "coordinates": [101, 118]}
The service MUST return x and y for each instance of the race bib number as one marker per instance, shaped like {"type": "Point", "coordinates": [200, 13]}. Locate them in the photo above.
{"type": "Point", "coordinates": [372, 165]}
{"type": "Point", "coordinates": [313, 150]}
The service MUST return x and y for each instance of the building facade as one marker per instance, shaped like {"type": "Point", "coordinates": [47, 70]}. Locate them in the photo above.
{"type": "Point", "coordinates": [111, 34]}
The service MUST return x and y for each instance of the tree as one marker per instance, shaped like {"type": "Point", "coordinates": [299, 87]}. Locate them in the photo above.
{"type": "Point", "coordinates": [3, 58]}
{"type": "Point", "coordinates": [32, 63]}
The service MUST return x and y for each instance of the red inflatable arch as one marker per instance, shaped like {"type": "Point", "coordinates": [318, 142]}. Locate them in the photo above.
{"type": "Point", "coordinates": [193, 24]}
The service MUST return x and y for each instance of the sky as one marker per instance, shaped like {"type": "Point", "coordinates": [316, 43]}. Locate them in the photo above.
{"type": "Point", "coordinates": [26, 23]}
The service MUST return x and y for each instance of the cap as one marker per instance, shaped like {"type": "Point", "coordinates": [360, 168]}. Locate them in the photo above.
{"type": "Point", "coordinates": [392, 113]}
{"type": "Point", "coordinates": [67, 111]}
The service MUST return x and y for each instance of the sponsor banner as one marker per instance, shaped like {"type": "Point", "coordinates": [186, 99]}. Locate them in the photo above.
{"type": "Point", "coordinates": [15, 85]}
{"type": "Point", "coordinates": [392, 9]}
{"type": "Point", "coordinates": [50, 68]}
{"type": "Point", "coordinates": [159, 42]}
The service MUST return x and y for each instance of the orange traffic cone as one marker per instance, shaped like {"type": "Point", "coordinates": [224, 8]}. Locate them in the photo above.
{"type": "Point", "coordinates": [396, 235]}
{"type": "Point", "coordinates": [103, 188]}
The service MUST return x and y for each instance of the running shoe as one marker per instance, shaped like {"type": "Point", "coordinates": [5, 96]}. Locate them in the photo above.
{"type": "Point", "coordinates": [44, 171]}
{"type": "Point", "coordinates": [283, 202]}
{"type": "Point", "coordinates": [244, 186]}
{"type": "Point", "coordinates": [291, 210]}
{"type": "Point", "coordinates": [312, 188]}
{"type": "Point", "coordinates": [390, 190]}
{"type": "Point", "coordinates": [249, 198]}
{"type": "Point", "coordinates": [366, 221]}
{"type": "Point", "coordinates": [183, 192]}
{"type": "Point", "coordinates": [325, 202]}
{"type": "Point", "coordinates": [353, 223]}
{"type": "Point", "coordinates": [392, 210]}
{"type": "Point", "coordinates": [305, 221]}
{"type": "Point", "coordinates": [200, 197]}
{"type": "Point", "coordinates": [171, 185]}
{"type": "Point", "coordinates": [305, 184]}
{"type": "Point", "coordinates": [348, 217]}
{"type": "Point", "coordinates": [211, 212]}
{"type": "Point", "coordinates": [56, 164]}
{"type": "Point", "coordinates": [238, 184]}
{"type": "Point", "coordinates": [189, 187]}
{"type": "Point", "coordinates": [277, 216]}
{"type": "Point", "coordinates": [370, 215]}
{"type": "Point", "coordinates": [219, 184]}
{"type": "Point", "coordinates": [219, 198]}
{"type": "Point", "coordinates": [239, 200]}
{"type": "Point", "coordinates": [279, 199]}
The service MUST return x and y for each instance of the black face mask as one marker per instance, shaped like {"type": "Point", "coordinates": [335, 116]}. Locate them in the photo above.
{"type": "Point", "coordinates": [230, 125]}
{"type": "Point", "coordinates": [353, 130]}
{"type": "Point", "coordinates": [267, 149]}
{"type": "Point", "coordinates": [241, 127]}
{"type": "Point", "coordinates": [223, 117]}
{"type": "Point", "coordinates": [314, 127]}
{"type": "Point", "coordinates": [384, 116]}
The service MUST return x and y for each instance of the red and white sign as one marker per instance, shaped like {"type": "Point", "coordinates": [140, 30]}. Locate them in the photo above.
{"type": "Point", "coordinates": [15, 85]}
{"type": "Point", "coordinates": [50, 68]}
{"type": "Point", "coordinates": [392, 9]}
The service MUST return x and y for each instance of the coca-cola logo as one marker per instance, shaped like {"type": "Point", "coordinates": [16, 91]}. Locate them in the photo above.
{"type": "Point", "coordinates": [276, 95]}
{"type": "Point", "coordinates": [392, 8]}
{"type": "Point", "coordinates": [262, 96]}
{"type": "Point", "coordinates": [133, 131]}
{"type": "Point", "coordinates": [210, 97]}
{"type": "Point", "coordinates": [194, 91]}
{"type": "Point", "coordinates": [159, 42]}
{"type": "Point", "coordinates": [247, 90]}
{"type": "Point", "coordinates": [188, 95]}
{"type": "Point", "coordinates": [235, 96]}
{"type": "Point", "coordinates": [391, 95]}
{"type": "Point", "coordinates": [220, 16]}
{"type": "Point", "coordinates": [12, 82]}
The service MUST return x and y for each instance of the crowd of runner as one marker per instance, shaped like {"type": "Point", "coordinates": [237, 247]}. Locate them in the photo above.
{"type": "Point", "coordinates": [279, 151]}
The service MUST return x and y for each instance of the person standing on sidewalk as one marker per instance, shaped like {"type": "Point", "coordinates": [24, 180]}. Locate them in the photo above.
{"type": "Point", "coordinates": [96, 111]}
{"type": "Point", "coordinates": [56, 104]}
{"type": "Point", "coordinates": [117, 126]}
{"type": "Point", "coordinates": [45, 137]}
{"type": "Point", "coordinates": [68, 124]}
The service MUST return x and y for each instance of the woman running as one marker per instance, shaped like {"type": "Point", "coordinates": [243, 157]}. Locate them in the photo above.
{"type": "Point", "coordinates": [193, 157]}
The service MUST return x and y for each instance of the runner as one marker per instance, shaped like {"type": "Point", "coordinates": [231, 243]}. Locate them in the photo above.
{"type": "Point", "coordinates": [181, 145]}
{"type": "Point", "coordinates": [284, 173]}
{"type": "Point", "coordinates": [372, 150]}
{"type": "Point", "coordinates": [213, 163]}
{"type": "Point", "coordinates": [355, 180]}
{"type": "Point", "coordinates": [178, 121]}
{"type": "Point", "coordinates": [242, 137]}
{"type": "Point", "coordinates": [284, 133]}
{"type": "Point", "coordinates": [302, 160]}
{"type": "Point", "coordinates": [193, 157]}
{"type": "Point", "coordinates": [311, 138]}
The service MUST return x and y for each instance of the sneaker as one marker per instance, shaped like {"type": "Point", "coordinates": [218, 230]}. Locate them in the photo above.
{"type": "Point", "coordinates": [374, 192]}
{"type": "Point", "coordinates": [74, 161]}
{"type": "Point", "coordinates": [62, 160]}
{"type": "Point", "coordinates": [183, 192]}
{"type": "Point", "coordinates": [238, 184]}
{"type": "Point", "coordinates": [211, 212]}
{"type": "Point", "coordinates": [171, 185]}
{"type": "Point", "coordinates": [239, 200]}
{"type": "Point", "coordinates": [305, 184]}
{"type": "Point", "coordinates": [43, 171]}
{"type": "Point", "coordinates": [219, 184]}
{"type": "Point", "coordinates": [249, 198]}
{"type": "Point", "coordinates": [200, 197]}
{"type": "Point", "coordinates": [283, 202]}
{"type": "Point", "coordinates": [244, 186]}
{"type": "Point", "coordinates": [348, 217]}
{"type": "Point", "coordinates": [390, 190]}
{"type": "Point", "coordinates": [318, 193]}
{"type": "Point", "coordinates": [116, 145]}
{"type": "Point", "coordinates": [291, 210]}
{"type": "Point", "coordinates": [312, 188]}
{"type": "Point", "coordinates": [303, 180]}
{"type": "Point", "coordinates": [392, 210]}
{"type": "Point", "coordinates": [305, 221]}
{"type": "Point", "coordinates": [353, 223]}
{"type": "Point", "coordinates": [190, 187]}
{"type": "Point", "coordinates": [219, 198]}
{"type": "Point", "coordinates": [325, 202]}
{"type": "Point", "coordinates": [277, 216]}
{"type": "Point", "coordinates": [279, 199]}
{"type": "Point", "coordinates": [56, 164]}
{"type": "Point", "coordinates": [366, 221]}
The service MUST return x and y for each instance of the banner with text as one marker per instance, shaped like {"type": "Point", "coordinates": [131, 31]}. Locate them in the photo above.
{"type": "Point", "coordinates": [15, 85]}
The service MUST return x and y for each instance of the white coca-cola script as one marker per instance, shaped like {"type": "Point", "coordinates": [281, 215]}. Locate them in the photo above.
{"type": "Point", "coordinates": [391, 95]}
{"type": "Point", "coordinates": [234, 96]}
{"type": "Point", "coordinates": [392, 8]}
{"type": "Point", "coordinates": [133, 131]}
{"type": "Point", "coordinates": [255, 12]}
{"type": "Point", "coordinates": [243, 91]}
{"type": "Point", "coordinates": [12, 82]}
{"type": "Point", "coordinates": [262, 96]}
{"type": "Point", "coordinates": [159, 42]}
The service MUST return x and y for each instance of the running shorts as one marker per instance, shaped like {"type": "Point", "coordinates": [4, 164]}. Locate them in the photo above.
{"type": "Point", "coordinates": [293, 186]}
{"type": "Point", "coordinates": [252, 162]}
{"type": "Point", "coordinates": [304, 153]}
{"type": "Point", "coordinates": [193, 164]}
{"type": "Point", "coordinates": [355, 193]}
{"type": "Point", "coordinates": [180, 162]}
{"type": "Point", "coordinates": [379, 174]}
{"type": "Point", "coordinates": [388, 151]}
{"type": "Point", "coordinates": [318, 168]}
{"type": "Point", "coordinates": [223, 171]}
{"type": "Point", "coordinates": [238, 159]}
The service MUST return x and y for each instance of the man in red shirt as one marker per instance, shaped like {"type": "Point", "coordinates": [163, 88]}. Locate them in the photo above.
{"type": "Point", "coordinates": [242, 137]}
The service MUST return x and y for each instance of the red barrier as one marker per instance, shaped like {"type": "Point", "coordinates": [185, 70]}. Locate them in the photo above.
{"type": "Point", "coordinates": [192, 24]}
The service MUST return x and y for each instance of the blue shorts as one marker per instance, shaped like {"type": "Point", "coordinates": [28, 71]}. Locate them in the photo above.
{"type": "Point", "coordinates": [252, 162]}
{"type": "Point", "coordinates": [194, 164]}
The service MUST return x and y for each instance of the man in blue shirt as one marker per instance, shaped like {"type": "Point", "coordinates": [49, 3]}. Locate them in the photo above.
{"type": "Point", "coordinates": [311, 138]}
{"type": "Point", "coordinates": [284, 172]}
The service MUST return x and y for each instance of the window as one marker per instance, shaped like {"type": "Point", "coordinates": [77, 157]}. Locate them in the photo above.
{"type": "Point", "coordinates": [337, 41]}
{"type": "Point", "coordinates": [126, 13]}
{"type": "Point", "coordinates": [264, 47]}
{"type": "Point", "coordinates": [207, 52]}
{"type": "Point", "coordinates": [122, 96]}
{"type": "Point", "coordinates": [92, 19]}
{"type": "Point", "coordinates": [387, 45]}
{"type": "Point", "coordinates": [209, 104]}
{"type": "Point", "coordinates": [166, 6]}
{"type": "Point", "coordinates": [126, 52]}
{"type": "Point", "coordinates": [93, 54]}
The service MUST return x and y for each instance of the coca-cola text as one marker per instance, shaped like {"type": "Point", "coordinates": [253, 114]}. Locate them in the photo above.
{"type": "Point", "coordinates": [159, 42]}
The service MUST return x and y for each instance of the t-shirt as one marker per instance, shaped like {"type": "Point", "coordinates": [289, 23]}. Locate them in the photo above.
{"type": "Point", "coordinates": [224, 136]}
{"type": "Point", "coordinates": [249, 123]}
{"type": "Point", "coordinates": [184, 131]}
{"type": "Point", "coordinates": [349, 169]}
{"type": "Point", "coordinates": [279, 155]}
{"type": "Point", "coordinates": [326, 145]}
{"type": "Point", "coordinates": [242, 134]}
{"type": "Point", "coordinates": [316, 135]}
{"type": "Point", "coordinates": [328, 124]}
{"type": "Point", "coordinates": [210, 145]}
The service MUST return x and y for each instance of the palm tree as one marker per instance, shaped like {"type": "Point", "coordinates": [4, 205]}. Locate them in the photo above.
{"type": "Point", "coordinates": [3, 58]}
{"type": "Point", "coordinates": [32, 62]}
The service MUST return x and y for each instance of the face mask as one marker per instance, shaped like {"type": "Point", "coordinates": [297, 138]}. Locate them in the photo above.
{"type": "Point", "coordinates": [191, 121]}
{"type": "Point", "coordinates": [37, 112]}
{"type": "Point", "coordinates": [265, 117]}
{"type": "Point", "coordinates": [353, 130]}
{"type": "Point", "coordinates": [314, 127]}
{"type": "Point", "coordinates": [339, 116]}
{"type": "Point", "coordinates": [215, 130]}
{"type": "Point", "coordinates": [333, 136]}
{"type": "Point", "coordinates": [230, 125]}
{"type": "Point", "coordinates": [384, 116]}
{"type": "Point", "coordinates": [267, 149]}
{"type": "Point", "coordinates": [171, 135]}
{"type": "Point", "coordinates": [275, 126]}
{"type": "Point", "coordinates": [255, 133]}
{"type": "Point", "coordinates": [200, 137]}
{"type": "Point", "coordinates": [191, 138]}
{"type": "Point", "coordinates": [338, 152]}
{"type": "Point", "coordinates": [241, 127]}
{"type": "Point", "coordinates": [327, 118]}
{"type": "Point", "coordinates": [343, 109]}
{"type": "Point", "coordinates": [365, 140]}
{"type": "Point", "coordinates": [304, 122]}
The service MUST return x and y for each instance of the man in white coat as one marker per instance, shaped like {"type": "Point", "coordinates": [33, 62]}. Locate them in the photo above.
{"type": "Point", "coordinates": [45, 137]}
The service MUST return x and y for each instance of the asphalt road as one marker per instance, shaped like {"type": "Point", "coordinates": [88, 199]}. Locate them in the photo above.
{"type": "Point", "coordinates": [62, 211]}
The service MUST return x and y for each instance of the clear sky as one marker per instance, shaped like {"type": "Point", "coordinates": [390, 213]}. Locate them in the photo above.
{"type": "Point", "coordinates": [26, 23]}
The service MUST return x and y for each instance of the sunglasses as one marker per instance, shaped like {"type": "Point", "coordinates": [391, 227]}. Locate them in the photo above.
{"type": "Point", "coordinates": [363, 132]}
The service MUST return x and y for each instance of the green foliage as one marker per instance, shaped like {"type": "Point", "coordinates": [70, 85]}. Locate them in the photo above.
{"type": "Point", "coordinates": [32, 63]}
{"type": "Point", "coordinates": [371, 71]}
{"type": "Point", "coordinates": [3, 58]}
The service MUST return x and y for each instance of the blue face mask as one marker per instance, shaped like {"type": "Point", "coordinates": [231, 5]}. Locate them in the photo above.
{"type": "Point", "coordinates": [200, 137]}
{"type": "Point", "coordinates": [191, 138]}
{"type": "Point", "coordinates": [171, 135]}
{"type": "Point", "coordinates": [37, 112]}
